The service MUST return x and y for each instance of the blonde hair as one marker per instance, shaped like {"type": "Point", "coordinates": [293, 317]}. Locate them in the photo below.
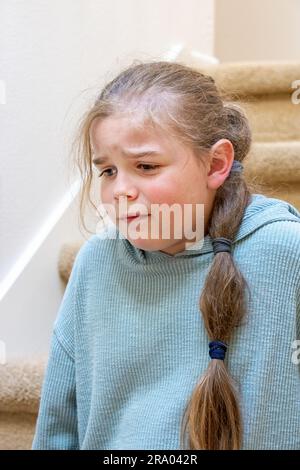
{"type": "Point", "coordinates": [187, 104]}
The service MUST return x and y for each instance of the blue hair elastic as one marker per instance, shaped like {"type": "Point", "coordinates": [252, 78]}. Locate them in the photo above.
{"type": "Point", "coordinates": [237, 166]}
{"type": "Point", "coordinates": [221, 244]}
{"type": "Point", "coordinates": [217, 350]}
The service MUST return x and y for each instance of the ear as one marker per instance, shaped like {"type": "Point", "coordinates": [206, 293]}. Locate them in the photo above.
{"type": "Point", "coordinates": [221, 159]}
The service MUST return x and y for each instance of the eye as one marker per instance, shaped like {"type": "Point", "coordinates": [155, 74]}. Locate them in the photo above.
{"type": "Point", "coordinates": [145, 165]}
{"type": "Point", "coordinates": [150, 167]}
{"type": "Point", "coordinates": [104, 172]}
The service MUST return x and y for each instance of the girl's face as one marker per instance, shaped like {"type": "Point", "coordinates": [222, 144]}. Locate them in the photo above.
{"type": "Point", "coordinates": [143, 167]}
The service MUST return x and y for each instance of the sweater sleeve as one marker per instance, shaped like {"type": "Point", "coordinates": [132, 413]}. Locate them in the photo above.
{"type": "Point", "coordinates": [56, 426]}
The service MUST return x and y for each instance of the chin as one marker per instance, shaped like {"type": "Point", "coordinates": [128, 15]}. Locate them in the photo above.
{"type": "Point", "coordinates": [152, 245]}
{"type": "Point", "coordinates": [146, 245]}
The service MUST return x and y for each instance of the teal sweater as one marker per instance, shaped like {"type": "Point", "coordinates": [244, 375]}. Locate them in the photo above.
{"type": "Point", "coordinates": [129, 344]}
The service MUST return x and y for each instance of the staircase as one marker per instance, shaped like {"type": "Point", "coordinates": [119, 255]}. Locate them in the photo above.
{"type": "Point", "coordinates": [265, 92]}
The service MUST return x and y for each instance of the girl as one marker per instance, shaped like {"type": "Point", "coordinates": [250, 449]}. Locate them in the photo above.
{"type": "Point", "coordinates": [167, 342]}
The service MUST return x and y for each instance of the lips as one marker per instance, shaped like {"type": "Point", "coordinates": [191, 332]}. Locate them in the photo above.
{"type": "Point", "coordinates": [130, 217]}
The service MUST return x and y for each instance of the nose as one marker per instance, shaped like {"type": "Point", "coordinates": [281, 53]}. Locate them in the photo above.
{"type": "Point", "coordinates": [124, 187]}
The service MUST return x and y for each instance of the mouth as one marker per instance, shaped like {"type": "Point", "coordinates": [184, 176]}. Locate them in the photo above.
{"type": "Point", "coordinates": [132, 218]}
{"type": "Point", "coordinates": [129, 218]}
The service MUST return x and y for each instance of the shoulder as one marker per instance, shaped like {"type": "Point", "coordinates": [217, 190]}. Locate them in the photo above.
{"type": "Point", "coordinates": [275, 249]}
{"type": "Point", "coordinates": [282, 235]}
{"type": "Point", "coordinates": [86, 267]}
{"type": "Point", "coordinates": [94, 252]}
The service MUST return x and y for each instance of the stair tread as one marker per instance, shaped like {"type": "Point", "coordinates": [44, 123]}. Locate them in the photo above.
{"type": "Point", "coordinates": [255, 78]}
{"type": "Point", "coordinates": [21, 382]}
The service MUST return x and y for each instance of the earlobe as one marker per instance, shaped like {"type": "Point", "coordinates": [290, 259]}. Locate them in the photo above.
{"type": "Point", "coordinates": [214, 181]}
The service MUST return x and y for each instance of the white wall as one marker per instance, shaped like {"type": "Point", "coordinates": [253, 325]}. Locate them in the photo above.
{"type": "Point", "coordinates": [247, 30]}
{"type": "Point", "coordinates": [51, 51]}
{"type": "Point", "coordinates": [54, 55]}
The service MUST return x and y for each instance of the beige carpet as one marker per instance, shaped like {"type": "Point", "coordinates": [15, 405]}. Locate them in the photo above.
{"type": "Point", "coordinates": [19, 400]}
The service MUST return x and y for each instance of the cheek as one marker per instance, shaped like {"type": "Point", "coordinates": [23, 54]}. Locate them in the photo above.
{"type": "Point", "coordinates": [197, 188]}
{"type": "Point", "coordinates": [185, 188]}
{"type": "Point", "coordinates": [162, 191]}
{"type": "Point", "coordinates": [106, 192]}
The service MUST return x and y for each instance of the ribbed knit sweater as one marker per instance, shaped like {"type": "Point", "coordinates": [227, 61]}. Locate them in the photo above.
{"type": "Point", "coordinates": [129, 344]}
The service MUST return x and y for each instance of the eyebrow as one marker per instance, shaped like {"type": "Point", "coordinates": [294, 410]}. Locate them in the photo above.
{"type": "Point", "coordinates": [129, 154]}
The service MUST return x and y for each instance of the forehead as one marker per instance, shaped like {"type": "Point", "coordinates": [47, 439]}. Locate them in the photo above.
{"type": "Point", "coordinates": [114, 133]}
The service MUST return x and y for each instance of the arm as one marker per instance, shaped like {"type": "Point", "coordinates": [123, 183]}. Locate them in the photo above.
{"type": "Point", "coordinates": [57, 420]}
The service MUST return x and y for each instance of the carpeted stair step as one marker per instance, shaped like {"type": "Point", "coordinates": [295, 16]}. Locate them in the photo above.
{"type": "Point", "coordinates": [21, 382]}
{"type": "Point", "coordinates": [265, 91]}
